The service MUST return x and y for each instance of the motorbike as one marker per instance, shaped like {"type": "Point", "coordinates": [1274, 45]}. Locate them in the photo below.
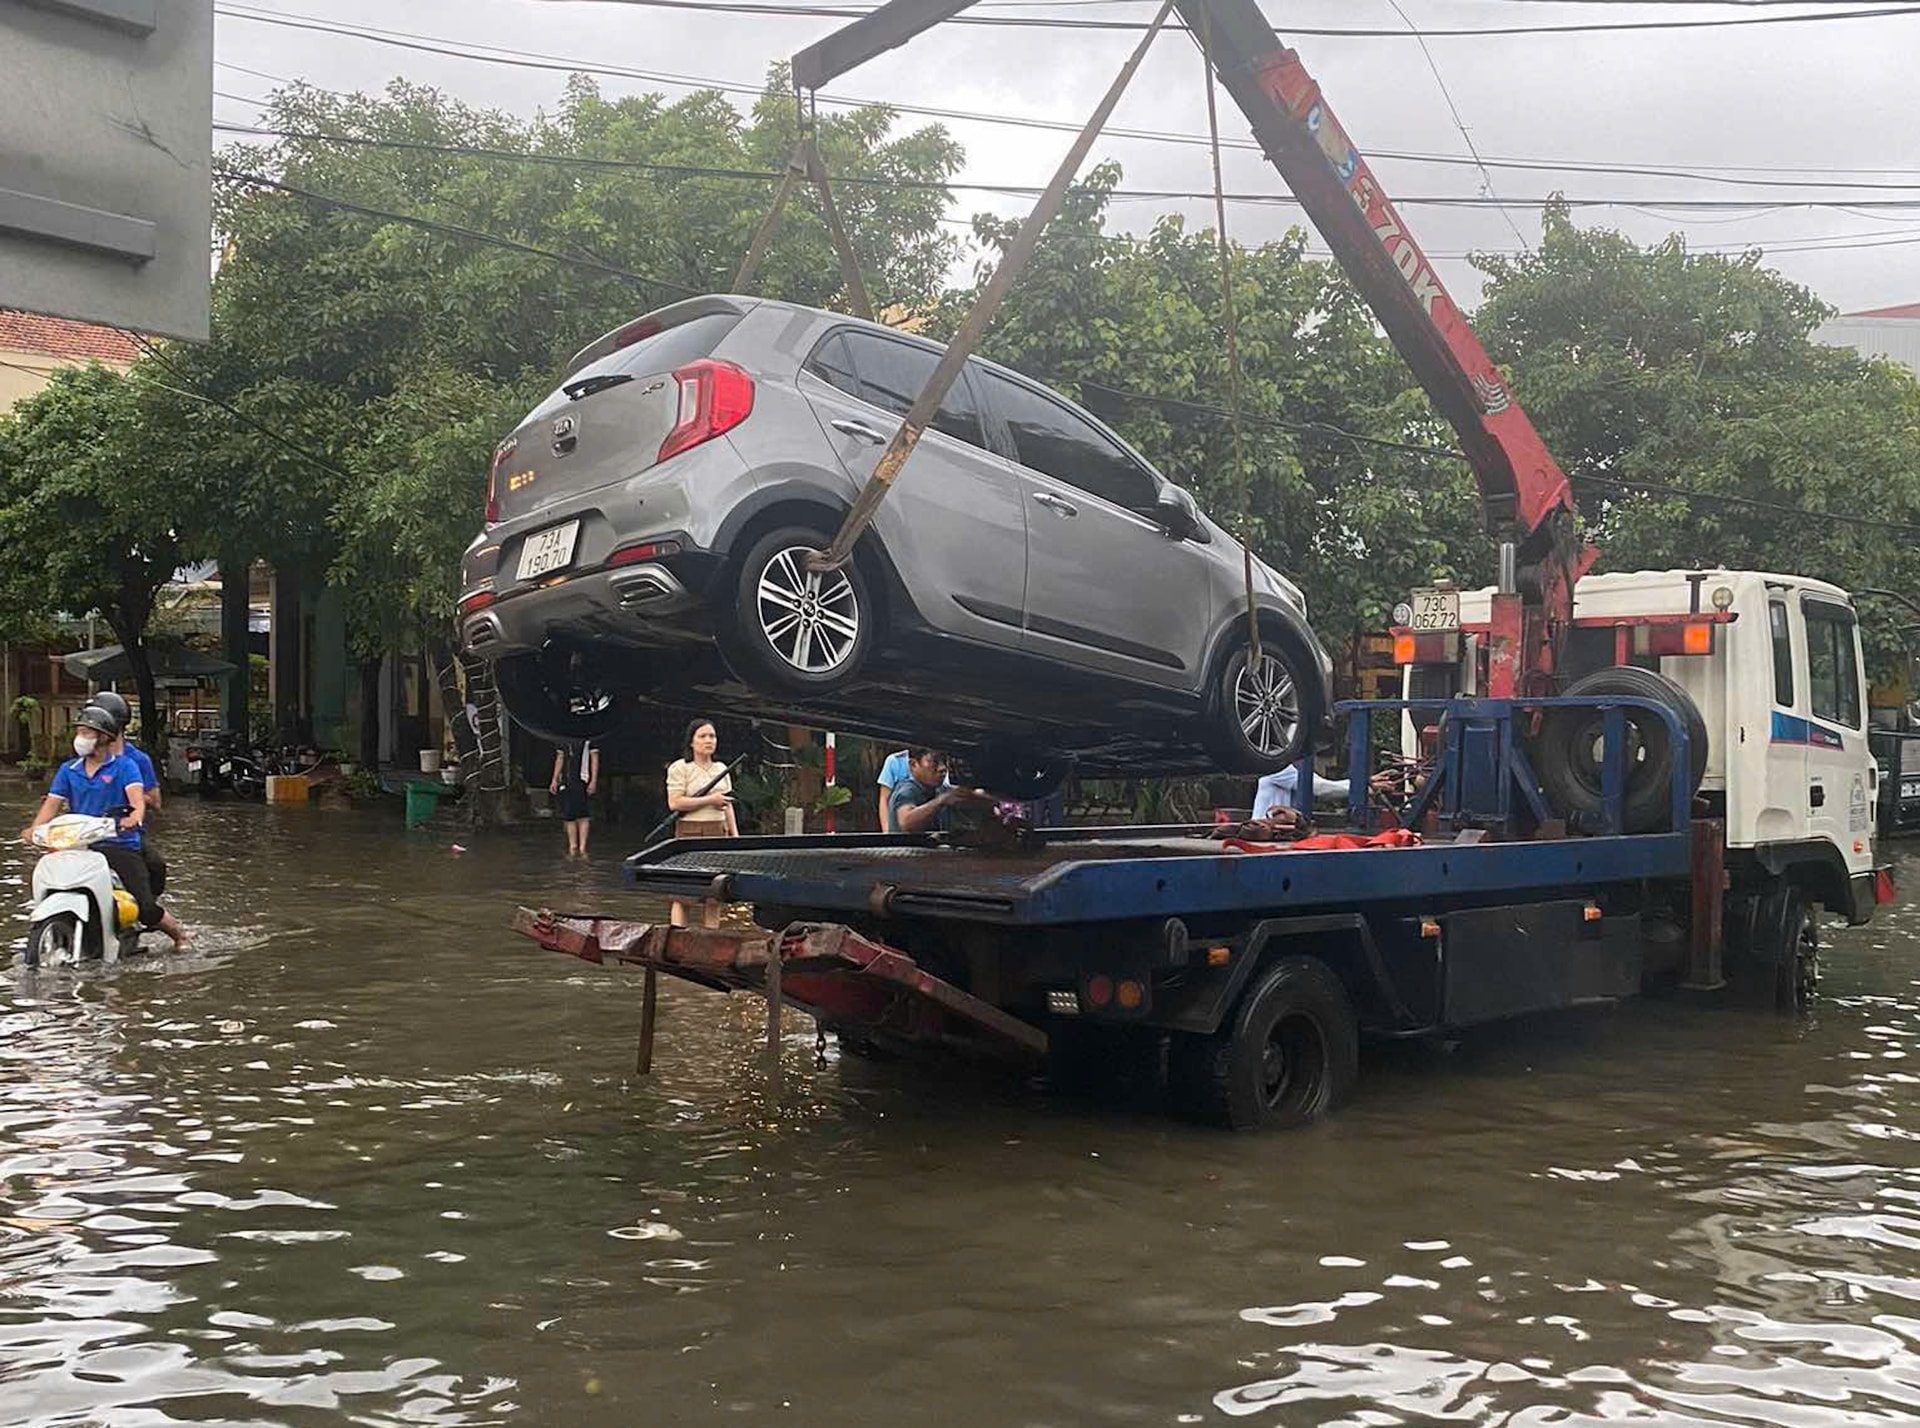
{"type": "Point", "coordinates": [80, 911]}
{"type": "Point", "coordinates": [221, 763]}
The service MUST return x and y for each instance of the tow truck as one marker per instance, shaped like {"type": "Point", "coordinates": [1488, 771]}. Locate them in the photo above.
{"type": "Point", "coordinates": [1629, 781]}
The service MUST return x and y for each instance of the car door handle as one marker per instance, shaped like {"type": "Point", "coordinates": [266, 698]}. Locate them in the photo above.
{"type": "Point", "coordinates": [859, 431]}
{"type": "Point", "coordinates": [1055, 504]}
{"type": "Point", "coordinates": [1816, 796]}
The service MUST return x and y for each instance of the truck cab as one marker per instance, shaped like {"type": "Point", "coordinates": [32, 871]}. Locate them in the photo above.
{"type": "Point", "coordinates": [1772, 663]}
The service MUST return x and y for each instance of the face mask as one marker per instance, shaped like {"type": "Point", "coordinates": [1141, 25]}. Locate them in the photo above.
{"type": "Point", "coordinates": [84, 744]}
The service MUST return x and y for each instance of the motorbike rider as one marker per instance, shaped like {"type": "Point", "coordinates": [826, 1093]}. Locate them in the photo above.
{"type": "Point", "coordinates": [111, 701]}
{"type": "Point", "coordinates": [100, 783]}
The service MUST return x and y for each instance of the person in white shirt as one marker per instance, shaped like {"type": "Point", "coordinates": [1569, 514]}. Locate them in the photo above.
{"type": "Point", "coordinates": [1276, 790]}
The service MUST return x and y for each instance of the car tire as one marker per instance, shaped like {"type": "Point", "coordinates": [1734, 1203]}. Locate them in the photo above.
{"type": "Point", "coordinates": [1290, 1053]}
{"type": "Point", "coordinates": [1264, 718]}
{"type": "Point", "coordinates": [803, 631]}
{"type": "Point", "coordinates": [540, 697]}
{"type": "Point", "coordinates": [1564, 753]}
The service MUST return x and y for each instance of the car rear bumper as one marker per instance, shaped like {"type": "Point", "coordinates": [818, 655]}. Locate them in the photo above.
{"type": "Point", "coordinates": [646, 603]}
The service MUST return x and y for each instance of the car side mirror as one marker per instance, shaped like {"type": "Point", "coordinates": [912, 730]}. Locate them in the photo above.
{"type": "Point", "coordinates": [1177, 514]}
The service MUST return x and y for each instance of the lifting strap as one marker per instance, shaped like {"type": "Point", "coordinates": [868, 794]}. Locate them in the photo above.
{"type": "Point", "coordinates": [806, 163]}
{"type": "Point", "coordinates": [1230, 319]}
{"type": "Point", "coordinates": [1019, 251]}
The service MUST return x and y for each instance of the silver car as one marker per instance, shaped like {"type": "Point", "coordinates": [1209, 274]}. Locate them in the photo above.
{"type": "Point", "coordinates": [1031, 592]}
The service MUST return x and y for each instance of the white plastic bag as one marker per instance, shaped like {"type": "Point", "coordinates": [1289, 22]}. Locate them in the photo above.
{"type": "Point", "coordinates": [74, 830]}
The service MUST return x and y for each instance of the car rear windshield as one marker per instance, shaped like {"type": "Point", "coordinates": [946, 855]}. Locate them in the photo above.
{"type": "Point", "coordinates": [667, 349]}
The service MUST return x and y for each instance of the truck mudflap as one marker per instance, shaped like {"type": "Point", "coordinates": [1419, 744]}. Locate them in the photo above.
{"type": "Point", "coordinates": [848, 983]}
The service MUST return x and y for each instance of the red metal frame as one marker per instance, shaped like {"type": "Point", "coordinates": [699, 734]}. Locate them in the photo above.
{"type": "Point", "coordinates": [1527, 497]}
{"type": "Point", "coordinates": [840, 978]}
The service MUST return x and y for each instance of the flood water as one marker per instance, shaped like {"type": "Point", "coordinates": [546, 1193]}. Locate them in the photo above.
{"type": "Point", "coordinates": [367, 1157]}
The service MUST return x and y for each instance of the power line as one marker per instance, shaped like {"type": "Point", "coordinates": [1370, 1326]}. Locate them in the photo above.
{"type": "Point", "coordinates": [1752, 502]}
{"type": "Point", "coordinates": [479, 53]}
{"type": "Point", "coordinates": [1311, 428]}
{"type": "Point", "coordinates": [453, 230]}
{"type": "Point", "coordinates": [1458, 122]}
{"type": "Point", "coordinates": [1755, 205]}
{"type": "Point", "coordinates": [157, 356]}
{"type": "Point", "coordinates": [850, 12]}
{"type": "Point", "coordinates": [1827, 243]}
{"type": "Point", "coordinates": [1447, 453]}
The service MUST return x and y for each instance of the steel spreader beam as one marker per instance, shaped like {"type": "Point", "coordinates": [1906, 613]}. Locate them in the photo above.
{"type": "Point", "coordinates": [853, 45]}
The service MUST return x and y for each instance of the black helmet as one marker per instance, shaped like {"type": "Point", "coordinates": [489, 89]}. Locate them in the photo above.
{"type": "Point", "coordinates": [101, 721]}
{"type": "Point", "coordinates": [106, 699]}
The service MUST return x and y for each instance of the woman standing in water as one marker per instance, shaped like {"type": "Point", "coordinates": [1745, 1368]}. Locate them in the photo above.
{"type": "Point", "coordinates": [699, 789]}
{"type": "Point", "coordinates": [576, 778]}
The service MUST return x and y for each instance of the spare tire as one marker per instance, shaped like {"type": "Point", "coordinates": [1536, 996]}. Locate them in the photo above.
{"type": "Point", "coordinates": [1567, 752]}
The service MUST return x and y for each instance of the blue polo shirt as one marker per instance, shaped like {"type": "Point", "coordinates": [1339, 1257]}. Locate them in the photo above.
{"type": "Point", "coordinates": [102, 794]}
{"type": "Point", "coordinates": [149, 777]}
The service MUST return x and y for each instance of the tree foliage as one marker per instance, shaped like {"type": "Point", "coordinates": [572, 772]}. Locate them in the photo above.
{"type": "Point", "coordinates": [1702, 423]}
{"type": "Point", "coordinates": [86, 522]}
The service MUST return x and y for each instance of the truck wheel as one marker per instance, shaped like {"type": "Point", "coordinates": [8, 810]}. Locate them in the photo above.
{"type": "Point", "coordinates": [57, 942]}
{"type": "Point", "coordinates": [1785, 946]}
{"type": "Point", "coordinates": [546, 695]}
{"type": "Point", "coordinates": [807, 632]}
{"type": "Point", "coordinates": [1568, 751]}
{"type": "Point", "coordinates": [1290, 1055]}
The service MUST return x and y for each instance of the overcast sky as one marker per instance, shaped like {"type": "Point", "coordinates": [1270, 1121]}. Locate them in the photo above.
{"type": "Point", "coordinates": [1835, 103]}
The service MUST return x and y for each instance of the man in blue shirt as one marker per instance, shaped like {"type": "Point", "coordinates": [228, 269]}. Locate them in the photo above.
{"type": "Point", "coordinates": [923, 801]}
{"type": "Point", "coordinates": [110, 701]}
{"type": "Point", "coordinates": [891, 772]}
{"type": "Point", "coordinates": [100, 784]}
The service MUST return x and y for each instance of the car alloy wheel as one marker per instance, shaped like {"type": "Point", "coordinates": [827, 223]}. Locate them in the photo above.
{"type": "Point", "coordinates": [810, 618]}
{"type": "Point", "coordinates": [1267, 705]}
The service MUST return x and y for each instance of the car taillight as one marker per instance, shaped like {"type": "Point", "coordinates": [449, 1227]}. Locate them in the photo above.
{"type": "Point", "coordinates": [493, 481]}
{"type": "Point", "coordinates": [715, 397]}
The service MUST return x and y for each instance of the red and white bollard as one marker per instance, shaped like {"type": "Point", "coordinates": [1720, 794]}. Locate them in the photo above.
{"type": "Point", "coordinates": [827, 767]}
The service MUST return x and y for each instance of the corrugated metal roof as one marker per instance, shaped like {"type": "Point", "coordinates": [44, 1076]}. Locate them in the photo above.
{"type": "Point", "coordinates": [1906, 312]}
{"type": "Point", "coordinates": [1894, 337]}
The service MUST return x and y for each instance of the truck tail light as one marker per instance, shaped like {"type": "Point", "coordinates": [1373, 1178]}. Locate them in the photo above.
{"type": "Point", "coordinates": [1695, 638]}
{"type": "Point", "coordinates": [715, 397]}
{"type": "Point", "coordinates": [1409, 648]}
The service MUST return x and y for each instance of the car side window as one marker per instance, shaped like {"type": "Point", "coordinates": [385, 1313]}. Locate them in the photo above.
{"type": "Point", "coordinates": [1833, 666]}
{"type": "Point", "coordinates": [831, 364]}
{"type": "Point", "coordinates": [1052, 439]}
{"type": "Point", "coordinates": [890, 375]}
{"type": "Point", "coordinates": [1782, 653]}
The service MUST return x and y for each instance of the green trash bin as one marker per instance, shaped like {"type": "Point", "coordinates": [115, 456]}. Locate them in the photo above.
{"type": "Point", "coordinates": [421, 798]}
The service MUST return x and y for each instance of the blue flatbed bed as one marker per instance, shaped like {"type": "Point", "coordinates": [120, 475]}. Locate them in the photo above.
{"type": "Point", "coordinates": [1074, 876]}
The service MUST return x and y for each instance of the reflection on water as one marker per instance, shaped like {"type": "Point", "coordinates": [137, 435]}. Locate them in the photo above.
{"type": "Point", "coordinates": [366, 1157]}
